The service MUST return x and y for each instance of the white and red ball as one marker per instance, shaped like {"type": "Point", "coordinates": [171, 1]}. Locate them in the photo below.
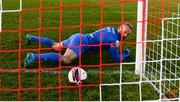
{"type": "Point", "coordinates": [76, 75]}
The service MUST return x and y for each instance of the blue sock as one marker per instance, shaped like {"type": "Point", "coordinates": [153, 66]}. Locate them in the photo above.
{"type": "Point", "coordinates": [44, 41]}
{"type": "Point", "coordinates": [52, 57]}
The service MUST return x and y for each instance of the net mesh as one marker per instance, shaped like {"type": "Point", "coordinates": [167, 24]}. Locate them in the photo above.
{"type": "Point", "coordinates": [107, 80]}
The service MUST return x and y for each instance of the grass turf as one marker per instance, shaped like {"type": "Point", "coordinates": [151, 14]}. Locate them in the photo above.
{"type": "Point", "coordinates": [70, 17]}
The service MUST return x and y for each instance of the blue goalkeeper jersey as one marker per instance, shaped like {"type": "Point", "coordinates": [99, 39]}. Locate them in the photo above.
{"type": "Point", "coordinates": [109, 37]}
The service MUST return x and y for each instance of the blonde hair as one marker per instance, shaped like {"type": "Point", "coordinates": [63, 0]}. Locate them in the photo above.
{"type": "Point", "coordinates": [129, 25]}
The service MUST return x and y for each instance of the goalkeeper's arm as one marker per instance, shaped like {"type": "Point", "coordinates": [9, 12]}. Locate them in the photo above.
{"type": "Point", "coordinates": [116, 54]}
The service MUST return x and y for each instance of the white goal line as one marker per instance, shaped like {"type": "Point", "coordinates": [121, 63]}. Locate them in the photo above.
{"type": "Point", "coordinates": [108, 72]}
{"type": "Point", "coordinates": [9, 11]}
{"type": "Point", "coordinates": [6, 11]}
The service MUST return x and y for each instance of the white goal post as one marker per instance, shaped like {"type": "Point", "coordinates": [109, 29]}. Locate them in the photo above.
{"type": "Point", "coordinates": [142, 16]}
{"type": "Point", "coordinates": [159, 64]}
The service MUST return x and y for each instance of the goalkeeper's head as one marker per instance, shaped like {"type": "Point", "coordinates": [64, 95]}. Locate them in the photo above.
{"type": "Point", "coordinates": [125, 29]}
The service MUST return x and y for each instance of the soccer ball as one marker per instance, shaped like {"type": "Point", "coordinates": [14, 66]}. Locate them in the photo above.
{"type": "Point", "coordinates": [77, 75]}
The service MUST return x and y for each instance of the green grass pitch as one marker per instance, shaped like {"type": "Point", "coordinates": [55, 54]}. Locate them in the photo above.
{"type": "Point", "coordinates": [70, 17]}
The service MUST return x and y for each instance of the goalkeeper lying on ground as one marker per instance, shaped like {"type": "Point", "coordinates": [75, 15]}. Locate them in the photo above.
{"type": "Point", "coordinates": [110, 36]}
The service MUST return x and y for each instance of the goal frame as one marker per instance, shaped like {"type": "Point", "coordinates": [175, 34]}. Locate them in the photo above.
{"type": "Point", "coordinates": [141, 34]}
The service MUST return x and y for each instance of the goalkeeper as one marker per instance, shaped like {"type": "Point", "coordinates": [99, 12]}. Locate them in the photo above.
{"type": "Point", "coordinates": [109, 37]}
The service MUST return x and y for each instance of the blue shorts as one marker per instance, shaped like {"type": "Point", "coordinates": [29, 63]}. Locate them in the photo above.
{"type": "Point", "coordinates": [73, 43]}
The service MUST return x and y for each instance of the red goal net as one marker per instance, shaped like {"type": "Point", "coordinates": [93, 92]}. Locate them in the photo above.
{"type": "Point", "coordinates": [106, 80]}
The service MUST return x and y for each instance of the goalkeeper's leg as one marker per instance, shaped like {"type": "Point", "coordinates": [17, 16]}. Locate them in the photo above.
{"type": "Point", "coordinates": [49, 57]}
{"type": "Point", "coordinates": [42, 40]}
{"type": "Point", "coordinates": [67, 58]}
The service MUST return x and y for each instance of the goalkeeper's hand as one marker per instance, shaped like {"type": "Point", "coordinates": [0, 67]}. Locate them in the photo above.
{"type": "Point", "coordinates": [57, 46]}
